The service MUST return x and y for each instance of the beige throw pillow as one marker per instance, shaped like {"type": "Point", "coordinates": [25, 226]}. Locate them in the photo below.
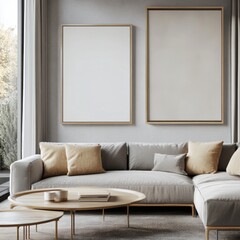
{"type": "Point", "coordinates": [83, 159]}
{"type": "Point", "coordinates": [203, 157]}
{"type": "Point", "coordinates": [233, 167]}
{"type": "Point", "coordinates": [54, 159]}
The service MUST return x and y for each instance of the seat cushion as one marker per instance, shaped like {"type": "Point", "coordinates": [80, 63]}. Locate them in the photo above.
{"type": "Point", "coordinates": [159, 187]}
{"type": "Point", "coordinates": [217, 199]}
{"type": "Point", "coordinates": [219, 176]}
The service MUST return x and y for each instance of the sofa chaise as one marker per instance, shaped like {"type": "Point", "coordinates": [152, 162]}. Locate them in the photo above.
{"type": "Point", "coordinates": [216, 197]}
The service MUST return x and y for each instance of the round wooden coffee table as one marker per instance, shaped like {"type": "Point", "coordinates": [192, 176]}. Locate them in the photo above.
{"type": "Point", "coordinates": [26, 218]}
{"type": "Point", "coordinates": [35, 199]}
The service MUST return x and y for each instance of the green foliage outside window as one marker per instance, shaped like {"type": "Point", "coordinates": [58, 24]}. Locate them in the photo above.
{"type": "Point", "coordinates": [8, 97]}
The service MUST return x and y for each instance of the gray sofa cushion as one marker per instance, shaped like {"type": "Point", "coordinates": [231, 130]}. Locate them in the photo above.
{"type": "Point", "coordinates": [159, 187]}
{"type": "Point", "coordinates": [170, 163]}
{"type": "Point", "coordinates": [226, 154]}
{"type": "Point", "coordinates": [141, 155]}
{"type": "Point", "coordinates": [114, 156]}
{"type": "Point", "coordinates": [217, 199]}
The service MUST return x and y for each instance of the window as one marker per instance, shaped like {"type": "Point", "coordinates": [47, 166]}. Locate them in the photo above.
{"type": "Point", "coordinates": [8, 81]}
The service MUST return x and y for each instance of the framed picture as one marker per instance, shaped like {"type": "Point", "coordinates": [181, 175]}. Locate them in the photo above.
{"type": "Point", "coordinates": [96, 74]}
{"type": "Point", "coordinates": [185, 69]}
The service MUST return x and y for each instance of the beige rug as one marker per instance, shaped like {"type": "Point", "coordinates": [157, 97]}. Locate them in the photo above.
{"type": "Point", "coordinates": [145, 223]}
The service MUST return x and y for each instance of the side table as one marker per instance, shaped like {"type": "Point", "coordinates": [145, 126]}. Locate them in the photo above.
{"type": "Point", "coordinates": [26, 218]}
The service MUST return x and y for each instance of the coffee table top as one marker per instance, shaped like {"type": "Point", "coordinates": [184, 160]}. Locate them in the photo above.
{"type": "Point", "coordinates": [14, 218]}
{"type": "Point", "coordinates": [35, 199]}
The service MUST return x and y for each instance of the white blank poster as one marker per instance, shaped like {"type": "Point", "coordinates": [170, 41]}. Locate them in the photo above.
{"type": "Point", "coordinates": [96, 74]}
{"type": "Point", "coordinates": [185, 68]}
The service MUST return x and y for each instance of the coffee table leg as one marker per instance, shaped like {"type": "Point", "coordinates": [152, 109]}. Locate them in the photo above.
{"type": "Point", "coordinates": [72, 223]}
{"type": "Point", "coordinates": [103, 214]}
{"type": "Point", "coordinates": [24, 234]}
{"type": "Point", "coordinates": [56, 230]}
{"type": "Point", "coordinates": [17, 232]}
{"type": "Point", "coordinates": [29, 229]}
{"type": "Point", "coordinates": [128, 224]}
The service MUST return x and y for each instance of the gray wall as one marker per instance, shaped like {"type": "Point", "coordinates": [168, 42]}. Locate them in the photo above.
{"type": "Point", "coordinates": [124, 12]}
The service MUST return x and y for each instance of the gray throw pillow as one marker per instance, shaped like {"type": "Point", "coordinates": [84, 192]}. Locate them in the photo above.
{"type": "Point", "coordinates": [170, 163]}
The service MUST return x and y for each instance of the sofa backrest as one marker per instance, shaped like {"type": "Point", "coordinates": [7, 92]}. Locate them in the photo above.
{"type": "Point", "coordinates": [226, 154]}
{"type": "Point", "coordinates": [141, 155]}
{"type": "Point", "coordinates": [114, 155]}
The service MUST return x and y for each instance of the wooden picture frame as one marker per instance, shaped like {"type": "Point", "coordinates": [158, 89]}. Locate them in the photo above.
{"type": "Point", "coordinates": [185, 65]}
{"type": "Point", "coordinates": [96, 74]}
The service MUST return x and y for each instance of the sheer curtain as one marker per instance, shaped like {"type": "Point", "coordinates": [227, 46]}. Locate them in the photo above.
{"type": "Point", "coordinates": [34, 68]}
{"type": "Point", "coordinates": [235, 70]}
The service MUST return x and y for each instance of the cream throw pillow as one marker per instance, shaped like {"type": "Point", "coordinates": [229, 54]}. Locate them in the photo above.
{"type": "Point", "coordinates": [54, 159]}
{"type": "Point", "coordinates": [203, 157]}
{"type": "Point", "coordinates": [233, 167]}
{"type": "Point", "coordinates": [82, 159]}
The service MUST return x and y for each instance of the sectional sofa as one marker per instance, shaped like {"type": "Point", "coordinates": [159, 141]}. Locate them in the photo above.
{"type": "Point", "coordinates": [216, 197]}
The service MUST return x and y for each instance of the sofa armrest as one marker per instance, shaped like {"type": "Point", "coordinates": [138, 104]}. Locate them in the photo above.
{"type": "Point", "coordinates": [25, 172]}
